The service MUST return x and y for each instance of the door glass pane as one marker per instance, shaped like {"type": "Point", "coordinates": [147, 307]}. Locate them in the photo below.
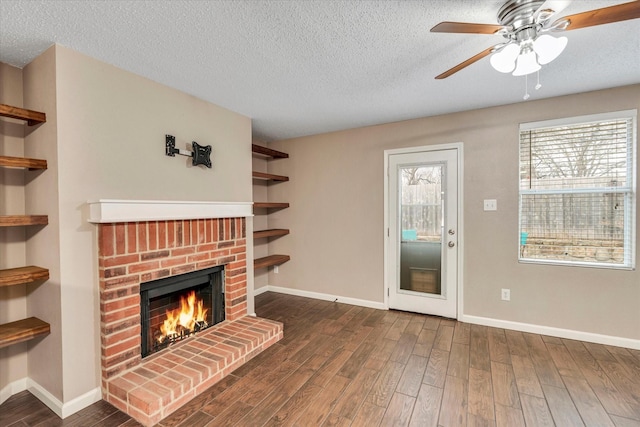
{"type": "Point", "coordinates": [421, 228]}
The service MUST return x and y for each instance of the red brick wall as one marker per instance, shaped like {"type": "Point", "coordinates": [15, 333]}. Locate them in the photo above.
{"type": "Point", "coordinates": [133, 253]}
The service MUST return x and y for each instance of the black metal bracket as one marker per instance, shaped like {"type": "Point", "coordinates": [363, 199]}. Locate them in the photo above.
{"type": "Point", "coordinates": [201, 155]}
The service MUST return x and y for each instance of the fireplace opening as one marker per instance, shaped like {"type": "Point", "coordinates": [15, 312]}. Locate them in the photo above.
{"type": "Point", "coordinates": [174, 308]}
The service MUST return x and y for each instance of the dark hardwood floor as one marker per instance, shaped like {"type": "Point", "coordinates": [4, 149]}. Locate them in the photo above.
{"type": "Point", "coordinates": [352, 366]}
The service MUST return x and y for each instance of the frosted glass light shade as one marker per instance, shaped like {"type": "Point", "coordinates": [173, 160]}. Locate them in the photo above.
{"type": "Point", "coordinates": [526, 64]}
{"type": "Point", "coordinates": [505, 59]}
{"type": "Point", "coordinates": [548, 48]}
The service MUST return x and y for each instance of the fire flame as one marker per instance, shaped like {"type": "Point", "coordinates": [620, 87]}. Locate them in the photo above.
{"type": "Point", "coordinates": [185, 317]}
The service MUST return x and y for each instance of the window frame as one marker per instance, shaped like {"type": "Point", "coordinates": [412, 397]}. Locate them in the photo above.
{"type": "Point", "coordinates": [630, 216]}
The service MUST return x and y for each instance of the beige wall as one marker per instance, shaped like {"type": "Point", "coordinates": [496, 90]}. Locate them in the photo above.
{"type": "Point", "coordinates": [336, 218]}
{"type": "Point", "coordinates": [43, 243]}
{"type": "Point", "coordinates": [13, 301]}
{"type": "Point", "coordinates": [109, 133]}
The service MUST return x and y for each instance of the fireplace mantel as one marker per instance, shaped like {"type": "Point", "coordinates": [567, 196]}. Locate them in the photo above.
{"type": "Point", "coordinates": [114, 211]}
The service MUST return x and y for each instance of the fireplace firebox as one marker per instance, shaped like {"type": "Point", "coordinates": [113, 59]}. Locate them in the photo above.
{"type": "Point", "coordinates": [174, 308]}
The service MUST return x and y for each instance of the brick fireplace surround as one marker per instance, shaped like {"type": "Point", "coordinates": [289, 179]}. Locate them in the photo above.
{"type": "Point", "coordinates": [131, 253]}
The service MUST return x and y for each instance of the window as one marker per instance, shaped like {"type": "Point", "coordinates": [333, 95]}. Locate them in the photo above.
{"type": "Point", "coordinates": [577, 191]}
{"type": "Point", "coordinates": [421, 195]}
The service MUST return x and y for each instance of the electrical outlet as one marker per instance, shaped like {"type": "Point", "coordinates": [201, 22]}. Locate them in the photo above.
{"type": "Point", "coordinates": [506, 294]}
{"type": "Point", "coordinates": [490, 205]}
{"type": "Point", "coordinates": [275, 269]}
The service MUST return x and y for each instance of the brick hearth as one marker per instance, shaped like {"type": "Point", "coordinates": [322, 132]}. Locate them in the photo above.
{"type": "Point", "coordinates": [167, 380]}
{"type": "Point", "coordinates": [135, 252]}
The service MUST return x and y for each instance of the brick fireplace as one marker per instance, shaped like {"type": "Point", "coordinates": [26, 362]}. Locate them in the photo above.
{"type": "Point", "coordinates": [135, 252]}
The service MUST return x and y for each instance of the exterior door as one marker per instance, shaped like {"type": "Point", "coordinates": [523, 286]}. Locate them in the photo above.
{"type": "Point", "coordinates": [422, 249]}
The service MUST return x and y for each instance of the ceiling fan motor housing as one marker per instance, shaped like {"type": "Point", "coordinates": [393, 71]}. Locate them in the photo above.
{"type": "Point", "coordinates": [519, 16]}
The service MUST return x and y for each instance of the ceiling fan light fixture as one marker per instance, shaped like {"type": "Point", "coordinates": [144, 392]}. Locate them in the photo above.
{"type": "Point", "coordinates": [548, 48]}
{"type": "Point", "coordinates": [504, 60]}
{"type": "Point", "coordinates": [526, 63]}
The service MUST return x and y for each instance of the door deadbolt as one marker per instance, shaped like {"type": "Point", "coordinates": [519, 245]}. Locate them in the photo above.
{"type": "Point", "coordinates": [452, 231]}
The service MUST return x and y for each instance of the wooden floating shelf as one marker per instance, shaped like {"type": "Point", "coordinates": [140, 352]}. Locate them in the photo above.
{"type": "Point", "coordinates": [18, 220]}
{"type": "Point", "coordinates": [270, 176]}
{"type": "Point", "coordinates": [274, 205]}
{"type": "Point", "coordinates": [21, 162]}
{"type": "Point", "coordinates": [270, 233]}
{"type": "Point", "coordinates": [32, 117]}
{"type": "Point", "coordinates": [17, 276]}
{"type": "Point", "coordinates": [22, 330]}
{"type": "Point", "coordinates": [270, 260]}
{"type": "Point", "coordinates": [269, 152]}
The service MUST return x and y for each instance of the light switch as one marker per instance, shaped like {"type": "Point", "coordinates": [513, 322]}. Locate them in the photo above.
{"type": "Point", "coordinates": [490, 205]}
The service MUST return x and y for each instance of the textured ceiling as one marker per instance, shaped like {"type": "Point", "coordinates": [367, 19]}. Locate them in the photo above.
{"type": "Point", "coordinates": [306, 67]}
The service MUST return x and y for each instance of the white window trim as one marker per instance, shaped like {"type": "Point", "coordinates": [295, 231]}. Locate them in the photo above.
{"type": "Point", "coordinates": [630, 213]}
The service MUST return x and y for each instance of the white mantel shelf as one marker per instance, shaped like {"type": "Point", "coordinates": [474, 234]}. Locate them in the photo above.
{"type": "Point", "coordinates": [111, 211]}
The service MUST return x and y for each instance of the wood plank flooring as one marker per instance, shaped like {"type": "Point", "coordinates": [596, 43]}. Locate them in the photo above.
{"type": "Point", "coordinates": [342, 365]}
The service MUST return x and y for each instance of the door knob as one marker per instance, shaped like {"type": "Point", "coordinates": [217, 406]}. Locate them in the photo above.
{"type": "Point", "coordinates": [451, 244]}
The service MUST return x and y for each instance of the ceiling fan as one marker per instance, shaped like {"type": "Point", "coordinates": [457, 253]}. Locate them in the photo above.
{"type": "Point", "coordinates": [524, 24]}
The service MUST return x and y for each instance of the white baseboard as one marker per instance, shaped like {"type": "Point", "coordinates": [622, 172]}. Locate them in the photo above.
{"type": "Point", "coordinates": [12, 388]}
{"type": "Point", "coordinates": [554, 332]}
{"type": "Point", "coordinates": [63, 410]}
{"type": "Point", "coordinates": [324, 297]}
{"type": "Point", "coordinates": [260, 290]}
{"type": "Point", "coordinates": [45, 397]}
{"type": "Point", "coordinates": [486, 321]}
{"type": "Point", "coordinates": [81, 402]}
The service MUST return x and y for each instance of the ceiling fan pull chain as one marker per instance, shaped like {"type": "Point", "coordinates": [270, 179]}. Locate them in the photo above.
{"type": "Point", "coordinates": [526, 87]}
{"type": "Point", "coordinates": [538, 85]}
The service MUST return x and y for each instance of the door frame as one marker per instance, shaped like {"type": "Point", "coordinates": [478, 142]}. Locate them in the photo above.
{"type": "Point", "coordinates": [389, 252]}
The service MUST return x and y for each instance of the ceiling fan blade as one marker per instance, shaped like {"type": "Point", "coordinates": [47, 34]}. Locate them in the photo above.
{"type": "Point", "coordinates": [466, 28]}
{"type": "Point", "coordinates": [606, 15]}
{"type": "Point", "coordinates": [465, 63]}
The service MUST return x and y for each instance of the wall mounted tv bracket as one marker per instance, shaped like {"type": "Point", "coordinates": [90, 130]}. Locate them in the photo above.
{"type": "Point", "coordinates": [201, 155]}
